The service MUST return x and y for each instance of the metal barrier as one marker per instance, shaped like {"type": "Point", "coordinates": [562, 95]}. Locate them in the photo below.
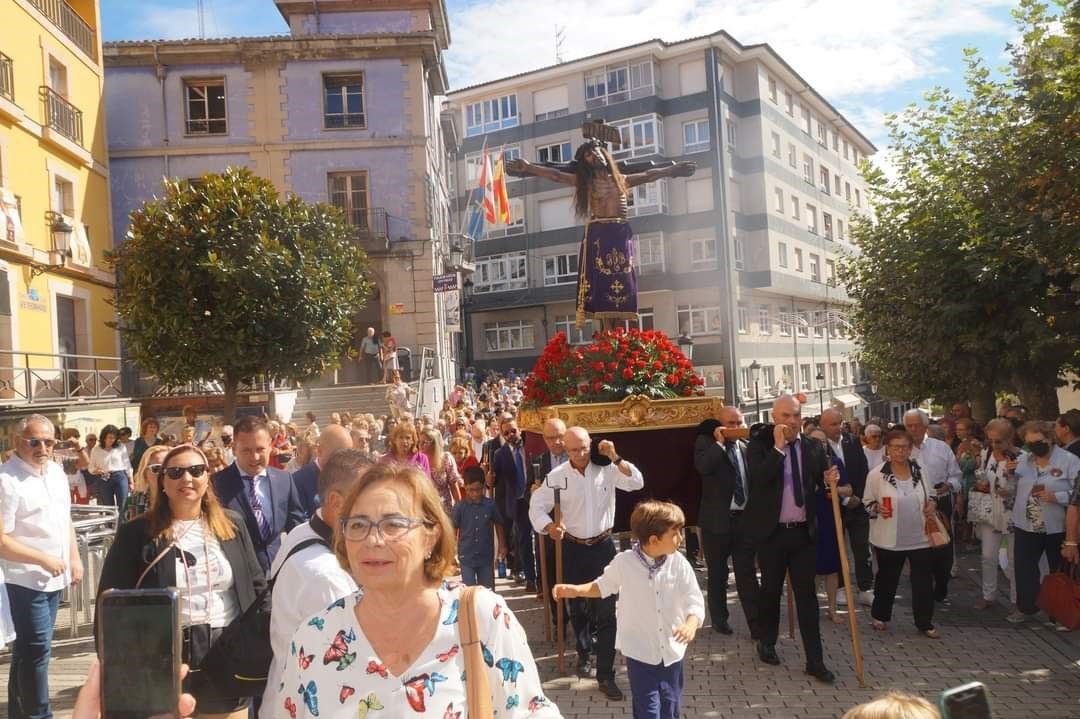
{"type": "Point", "coordinates": [95, 528]}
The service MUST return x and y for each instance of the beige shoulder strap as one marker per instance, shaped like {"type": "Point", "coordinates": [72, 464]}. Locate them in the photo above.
{"type": "Point", "coordinates": [476, 682]}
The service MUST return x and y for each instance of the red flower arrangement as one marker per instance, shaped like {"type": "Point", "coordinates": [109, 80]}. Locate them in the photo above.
{"type": "Point", "coordinates": [616, 364]}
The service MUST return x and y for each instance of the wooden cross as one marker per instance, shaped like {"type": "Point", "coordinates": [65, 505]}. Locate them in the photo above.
{"type": "Point", "coordinates": [599, 130]}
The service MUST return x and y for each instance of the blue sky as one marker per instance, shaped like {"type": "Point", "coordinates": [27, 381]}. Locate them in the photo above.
{"type": "Point", "coordinates": [867, 57]}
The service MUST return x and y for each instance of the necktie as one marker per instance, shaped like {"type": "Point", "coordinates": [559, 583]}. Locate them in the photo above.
{"type": "Point", "coordinates": [733, 455]}
{"type": "Point", "coordinates": [256, 509]}
{"type": "Point", "coordinates": [519, 466]}
{"type": "Point", "coordinates": [796, 478]}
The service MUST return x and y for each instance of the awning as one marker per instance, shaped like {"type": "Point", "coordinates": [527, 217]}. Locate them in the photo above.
{"type": "Point", "coordinates": [847, 400]}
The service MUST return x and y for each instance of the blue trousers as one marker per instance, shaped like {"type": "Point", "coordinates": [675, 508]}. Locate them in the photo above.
{"type": "Point", "coordinates": [114, 490]}
{"type": "Point", "coordinates": [656, 690]}
{"type": "Point", "coordinates": [482, 573]}
{"type": "Point", "coordinates": [34, 614]}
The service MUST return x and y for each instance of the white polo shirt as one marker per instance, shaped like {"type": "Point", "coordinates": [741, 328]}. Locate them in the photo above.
{"type": "Point", "coordinates": [36, 510]}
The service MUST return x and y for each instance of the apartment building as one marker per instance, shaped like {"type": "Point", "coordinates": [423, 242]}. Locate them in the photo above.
{"type": "Point", "coordinates": [341, 110]}
{"type": "Point", "coordinates": [741, 257]}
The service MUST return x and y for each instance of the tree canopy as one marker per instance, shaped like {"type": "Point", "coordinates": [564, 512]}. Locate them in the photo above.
{"type": "Point", "coordinates": [223, 279]}
{"type": "Point", "coordinates": [968, 278]}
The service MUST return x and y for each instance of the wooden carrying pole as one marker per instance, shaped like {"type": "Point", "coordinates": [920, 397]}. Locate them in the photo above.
{"type": "Point", "coordinates": [845, 571]}
{"type": "Point", "coordinates": [545, 586]}
{"type": "Point", "coordinates": [790, 607]}
{"type": "Point", "coordinates": [560, 628]}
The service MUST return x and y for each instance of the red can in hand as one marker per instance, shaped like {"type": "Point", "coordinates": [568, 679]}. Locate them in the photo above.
{"type": "Point", "coordinates": [886, 504]}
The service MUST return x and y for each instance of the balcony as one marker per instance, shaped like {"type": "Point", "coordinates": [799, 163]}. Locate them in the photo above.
{"type": "Point", "coordinates": [68, 21]}
{"type": "Point", "coordinates": [7, 78]}
{"type": "Point", "coordinates": [62, 116]}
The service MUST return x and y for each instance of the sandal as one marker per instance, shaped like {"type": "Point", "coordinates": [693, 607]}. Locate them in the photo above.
{"type": "Point", "coordinates": [983, 604]}
{"type": "Point", "coordinates": [878, 626]}
{"type": "Point", "coordinates": [932, 634]}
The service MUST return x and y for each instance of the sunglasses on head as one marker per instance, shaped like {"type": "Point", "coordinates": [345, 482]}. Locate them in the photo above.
{"type": "Point", "coordinates": [35, 443]}
{"type": "Point", "coordinates": [195, 470]}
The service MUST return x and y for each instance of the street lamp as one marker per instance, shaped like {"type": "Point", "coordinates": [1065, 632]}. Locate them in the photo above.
{"type": "Point", "coordinates": [820, 391]}
{"type": "Point", "coordinates": [755, 372]}
{"type": "Point", "coordinates": [686, 344]}
{"type": "Point", "coordinates": [466, 300]}
{"type": "Point", "coordinates": [457, 255]}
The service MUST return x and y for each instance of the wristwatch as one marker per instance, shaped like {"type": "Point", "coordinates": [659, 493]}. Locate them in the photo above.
{"type": "Point", "coordinates": [616, 460]}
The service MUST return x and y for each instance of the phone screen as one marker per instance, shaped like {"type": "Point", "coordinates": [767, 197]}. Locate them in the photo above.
{"type": "Point", "coordinates": [139, 650]}
{"type": "Point", "coordinates": [966, 702]}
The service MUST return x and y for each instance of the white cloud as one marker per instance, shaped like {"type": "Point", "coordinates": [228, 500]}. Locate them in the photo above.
{"type": "Point", "coordinates": [844, 48]}
{"type": "Point", "coordinates": [233, 18]}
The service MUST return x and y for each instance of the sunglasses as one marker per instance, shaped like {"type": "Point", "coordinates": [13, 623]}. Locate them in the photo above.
{"type": "Point", "coordinates": [195, 470]}
{"type": "Point", "coordinates": [154, 468]}
{"type": "Point", "coordinates": [35, 443]}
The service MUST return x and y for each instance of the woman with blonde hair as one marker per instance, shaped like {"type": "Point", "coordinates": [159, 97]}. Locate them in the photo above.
{"type": "Point", "coordinates": [144, 483]}
{"type": "Point", "coordinates": [894, 705]}
{"type": "Point", "coordinates": [189, 541]}
{"type": "Point", "coordinates": [395, 643]}
{"type": "Point", "coordinates": [444, 471]}
{"type": "Point", "coordinates": [403, 447]}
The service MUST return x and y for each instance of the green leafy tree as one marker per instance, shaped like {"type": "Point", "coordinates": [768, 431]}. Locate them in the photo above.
{"type": "Point", "coordinates": [223, 279]}
{"type": "Point", "coordinates": [968, 276]}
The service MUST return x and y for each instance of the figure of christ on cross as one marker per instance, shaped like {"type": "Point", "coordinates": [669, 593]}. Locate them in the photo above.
{"type": "Point", "coordinates": [607, 285]}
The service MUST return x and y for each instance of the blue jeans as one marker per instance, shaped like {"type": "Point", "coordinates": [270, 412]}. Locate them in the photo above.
{"type": "Point", "coordinates": [113, 490]}
{"type": "Point", "coordinates": [481, 573]}
{"type": "Point", "coordinates": [34, 614]}
{"type": "Point", "coordinates": [656, 690]}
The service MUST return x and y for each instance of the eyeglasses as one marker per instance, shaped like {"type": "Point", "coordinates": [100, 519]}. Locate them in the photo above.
{"type": "Point", "coordinates": [154, 468]}
{"type": "Point", "coordinates": [35, 443]}
{"type": "Point", "coordinates": [390, 529]}
{"type": "Point", "coordinates": [904, 447]}
{"type": "Point", "coordinates": [195, 470]}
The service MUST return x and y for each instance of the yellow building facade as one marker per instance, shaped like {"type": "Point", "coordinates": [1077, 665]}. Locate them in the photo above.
{"type": "Point", "coordinates": [55, 223]}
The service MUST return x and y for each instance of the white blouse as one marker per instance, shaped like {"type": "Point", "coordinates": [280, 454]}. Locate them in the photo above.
{"type": "Point", "coordinates": [103, 461]}
{"type": "Point", "coordinates": [204, 577]}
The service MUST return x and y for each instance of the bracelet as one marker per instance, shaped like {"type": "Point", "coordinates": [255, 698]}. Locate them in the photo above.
{"type": "Point", "coordinates": [1068, 544]}
{"type": "Point", "coordinates": [617, 460]}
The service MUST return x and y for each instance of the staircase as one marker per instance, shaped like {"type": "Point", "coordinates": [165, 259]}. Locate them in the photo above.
{"type": "Point", "coordinates": [356, 399]}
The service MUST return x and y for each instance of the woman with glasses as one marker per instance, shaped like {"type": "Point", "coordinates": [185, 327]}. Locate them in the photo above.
{"type": "Point", "coordinates": [110, 463]}
{"type": "Point", "coordinates": [144, 483]}
{"type": "Point", "coordinates": [444, 471]}
{"type": "Point", "coordinates": [899, 503]}
{"type": "Point", "coordinates": [402, 447]}
{"type": "Point", "coordinates": [393, 648]}
{"type": "Point", "coordinates": [189, 541]}
{"type": "Point", "coordinates": [989, 506]}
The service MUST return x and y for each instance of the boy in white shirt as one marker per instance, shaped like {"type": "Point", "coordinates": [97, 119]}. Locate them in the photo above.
{"type": "Point", "coordinates": [659, 610]}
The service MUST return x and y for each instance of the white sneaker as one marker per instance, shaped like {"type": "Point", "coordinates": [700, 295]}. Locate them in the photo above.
{"type": "Point", "coordinates": [1017, 617]}
{"type": "Point", "coordinates": [841, 596]}
{"type": "Point", "coordinates": [866, 598]}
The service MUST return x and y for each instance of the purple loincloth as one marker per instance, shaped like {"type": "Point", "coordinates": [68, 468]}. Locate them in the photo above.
{"type": "Point", "coordinates": [607, 285]}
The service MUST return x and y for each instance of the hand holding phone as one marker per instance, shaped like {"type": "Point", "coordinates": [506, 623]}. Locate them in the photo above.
{"type": "Point", "coordinates": [968, 701]}
{"type": "Point", "coordinates": [88, 703]}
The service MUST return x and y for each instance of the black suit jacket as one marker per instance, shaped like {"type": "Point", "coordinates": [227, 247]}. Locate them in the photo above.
{"type": "Point", "coordinates": [717, 483]}
{"type": "Point", "coordinates": [855, 464]}
{"type": "Point", "coordinates": [287, 512]}
{"type": "Point", "coordinates": [306, 480]}
{"type": "Point", "coordinates": [502, 464]}
{"type": "Point", "coordinates": [765, 466]}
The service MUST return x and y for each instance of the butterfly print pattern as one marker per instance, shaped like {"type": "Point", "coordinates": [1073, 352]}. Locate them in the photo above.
{"type": "Point", "coordinates": [432, 687]}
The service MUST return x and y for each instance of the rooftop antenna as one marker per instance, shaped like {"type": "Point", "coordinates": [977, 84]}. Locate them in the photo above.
{"type": "Point", "coordinates": [560, 38]}
{"type": "Point", "coordinates": [201, 11]}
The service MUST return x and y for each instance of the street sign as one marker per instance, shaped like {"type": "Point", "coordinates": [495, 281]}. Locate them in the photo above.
{"type": "Point", "coordinates": [445, 283]}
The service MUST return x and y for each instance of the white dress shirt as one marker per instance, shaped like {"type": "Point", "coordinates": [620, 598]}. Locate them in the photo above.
{"type": "Point", "coordinates": [262, 491]}
{"type": "Point", "coordinates": [874, 457]}
{"type": "Point", "coordinates": [35, 509]}
{"type": "Point", "coordinates": [649, 610]}
{"type": "Point", "coordinates": [938, 463]}
{"type": "Point", "coordinates": [103, 461]}
{"type": "Point", "coordinates": [588, 502]}
{"type": "Point", "coordinates": [306, 585]}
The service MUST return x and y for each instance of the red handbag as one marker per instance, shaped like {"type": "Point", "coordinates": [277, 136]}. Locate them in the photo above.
{"type": "Point", "coordinates": [1060, 595]}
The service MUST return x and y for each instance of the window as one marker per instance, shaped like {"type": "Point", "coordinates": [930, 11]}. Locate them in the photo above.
{"type": "Point", "coordinates": [822, 134]}
{"type": "Point", "coordinates": [737, 242]}
{"type": "Point", "coordinates": [843, 374]}
{"type": "Point", "coordinates": [499, 273]}
{"type": "Point", "coordinates": [349, 193]}
{"type": "Point", "coordinates": [835, 141]}
{"type": "Point", "coordinates": [343, 101]}
{"type": "Point", "coordinates": [699, 320]}
{"type": "Point", "coordinates": [551, 102]}
{"type": "Point", "coordinates": [647, 199]}
{"type": "Point", "coordinates": [792, 155]}
{"type": "Point", "coordinates": [474, 163]}
{"type": "Point", "coordinates": [839, 229]}
{"type": "Point", "coordinates": [618, 83]}
{"type": "Point", "coordinates": [833, 375]}
{"type": "Point", "coordinates": [703, 254]}
{"type": "Point", "coordinates": [649, 253]}
{"type": "Point", "coordinates": [798, 260]}
{"type": "Point", "coordinates": [854, 372]}
{"type": "Point", "coordinates": [559, 152]}
{"type": "Point", "coordinates": [823, 175]}
{"type": "Point", "coordinates": [784, 325]}
{"type": "Point", "coordinates": [506, 336]}
{"type": "Point", "coordinates": [819, 323]}
{"type": "Point", "coordinates": [836, 177]}
{"type": "Point", "coordinates": [804, 371]}
{"type": "Point", "coordinates": [768, 378]}
{"type": "Point", "coordinates": [764, 320]}
{"type": "Point", "coordinates": [744, 319]}
{"type": "Point", "coordinates": [560, 269]}
{"type": "Point", "coordinates": [805, 119]}
{"type": "Point", "coordinates": [819, 375]}
{"type": "Point", "coordinates": [808, 168]}
{"type": "Point", "coordinates": [643, 135]}
{"type": "Point", "coordinates": [789, 103]}
{"type": "Point", "coordinates": [858, 198]}
{"type": "Point", "coordinates": [779, 199]}
{"type": "Point", "coordinates": [567, 324]}
{"type": "Point", "coordinates": [815, 268]}
{"type": "Point", "coordinates": [781, 254]}
{"type": "Point", "coordinates": [646, 320]}
{"type": "Point", "coordinates": [732, 131]}
{"type": "Point", "coordinates": [204, 101]}
{"type": "Point", "coordinates": [772, 89]}
{"type": "Point", "coordinates": [811, 219]}
{"type": "Point", "coordinates": [795, 207]}
{"type": "Point", "coordinates": [58, 77]}
{"type": "Point", "coordinates": [695, 136]}
{"type": "Point", "coordinates": [826, 222]}
{"type": "Point", "coordinates": [830, 272]}
{"type": "Point", "coordinates": [489, 115]}
{"type": "Point", "coordinates": [847, 191]}
{"type": "Point", "coordinates": [517, 221]}
{"type": "Point", "coordinates": [776, 144]}
{"type": "Point", "coordinates": [845, 150]}
{"type": "Point", "coordinates": [854, 155]}
{"type": "Point", "coordinates": [787, 375]}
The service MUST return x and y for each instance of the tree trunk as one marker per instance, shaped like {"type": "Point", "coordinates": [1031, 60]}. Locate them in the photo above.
{"type": "Point", "coordinates": [1038, 393]}
{"type": "Point", "coordinates": [983, 405]}
{"type": "Point", "coordinates": [232, 384]}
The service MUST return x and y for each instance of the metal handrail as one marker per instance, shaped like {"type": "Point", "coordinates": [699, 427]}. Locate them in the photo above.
{"type": "Point", "coordinates": [7, 77]}
{"type": "Point", "coordinates": [70, 23]}
{"type": "Point", "coordinates": [58, 377]}
{"type": "Point", "coordinates": [62, 116]}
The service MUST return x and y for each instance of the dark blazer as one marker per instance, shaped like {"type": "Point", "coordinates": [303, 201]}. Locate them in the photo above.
{"type": "Point", "coordinates": [288, 513]}
{"type": "Point", "coordinates": [502, 465]}
{"type": "Point", "coordinates": [766, 469]}
{"type": "Point", "coordinates": [855, 464]}
{"type": "Point", "coordinates": [306, 480]}
{"type": "Point", "coordinates": [133, 550]}
{"type": "Point", "coordinates": [717, 483]}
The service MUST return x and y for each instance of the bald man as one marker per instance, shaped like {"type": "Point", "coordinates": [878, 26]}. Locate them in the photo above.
{"type": "Point", "coordinates": [786, 468]}
{"type": "Point", "coordinates": [306, 479]}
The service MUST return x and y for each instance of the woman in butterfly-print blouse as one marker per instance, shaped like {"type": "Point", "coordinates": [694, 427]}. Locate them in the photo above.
{"type": "Point", "coordinates": [392, 650]}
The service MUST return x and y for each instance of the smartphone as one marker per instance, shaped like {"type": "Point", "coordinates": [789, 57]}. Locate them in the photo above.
{"type": "Point", "coordinates": [139, 644]}
{"type": "Point", "coordinates": [967, 701]}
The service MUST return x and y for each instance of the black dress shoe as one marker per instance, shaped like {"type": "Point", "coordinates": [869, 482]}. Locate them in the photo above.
{"type": "Point", "coordinates": [819, 672]}
{"type": "Point", "coordinates": [530, 587]}
{"type": "Point", "coordinates": [584, 666]}
{"type": "Point", "coordinates": [767, 654]}
{"type": "Point", "coordinates": [611, 689]}
{"type": "Point", "coordinates": [722, 626]}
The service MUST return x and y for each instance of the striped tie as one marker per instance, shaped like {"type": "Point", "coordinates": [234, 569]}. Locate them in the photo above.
{"type": "Point", "coordinates": [257, 510]}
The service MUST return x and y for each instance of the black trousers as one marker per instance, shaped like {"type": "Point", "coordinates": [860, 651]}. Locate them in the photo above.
{"type": "Point", "coordinates": [857, 524]}
{"type": "Point", "coordinates": [790, 549]}
{"type": "Point", "coordinates": [718, 547]}
{"type": "Point", "coordinates": [523, 541]}
{"type": "Point", "coordinates": [1028, 550]}
{"type": "Point", "coordinates": [581, 565]}
{"type": "Point", "coordinates": [890, 565]}
{"type": "Point", "coordinates": [943, 556]}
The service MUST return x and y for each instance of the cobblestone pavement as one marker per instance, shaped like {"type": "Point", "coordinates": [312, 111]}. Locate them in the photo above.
{"type": "Point", "coordinates": [1031, 670]}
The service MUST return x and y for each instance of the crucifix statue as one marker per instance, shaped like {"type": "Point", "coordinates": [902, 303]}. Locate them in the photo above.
{"type": "Point", "coordinates": [607, 285]}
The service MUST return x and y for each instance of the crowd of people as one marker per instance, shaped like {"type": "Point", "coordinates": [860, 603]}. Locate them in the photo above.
{"type": "Point", "coordinates": [367, 521]}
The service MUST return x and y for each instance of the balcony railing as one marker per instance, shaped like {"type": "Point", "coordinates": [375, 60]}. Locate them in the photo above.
{"type": "Point", "coordinates": [25, 378]}
{"type": "Point", "coordinates": [7, 77]}
{"type": "Point", "coordinates": [374, 228]}
{"type": "Point", "coordinates": [62, 116]}
{"type": "Point", "coordinates": [69, 22]}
